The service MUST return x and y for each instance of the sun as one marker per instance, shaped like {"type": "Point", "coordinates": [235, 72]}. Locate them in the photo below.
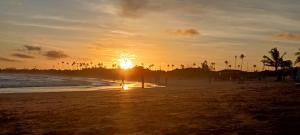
{"type": "Point", "coordinates": [126, 64]}
{"type": "Point", "coordinates": [126, 61]}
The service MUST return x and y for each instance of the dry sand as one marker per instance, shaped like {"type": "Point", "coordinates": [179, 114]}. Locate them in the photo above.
{"type": "Point", "coordinates": [185, 107]}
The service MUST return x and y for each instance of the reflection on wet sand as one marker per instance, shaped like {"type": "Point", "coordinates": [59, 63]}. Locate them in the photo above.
{"type": "Point", "coordinates": [125, 87]}
{"type": "Point", "coordinates": [114, 85]}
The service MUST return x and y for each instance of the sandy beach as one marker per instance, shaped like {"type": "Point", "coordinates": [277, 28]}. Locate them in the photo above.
{"type": "Point", "coordinates": [184, 107]}
{"type": "Point", "coordinates": [149, 67]}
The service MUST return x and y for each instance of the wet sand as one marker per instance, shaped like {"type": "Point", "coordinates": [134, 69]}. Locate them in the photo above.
{"type": "Point", "coordinates": [184, 107]}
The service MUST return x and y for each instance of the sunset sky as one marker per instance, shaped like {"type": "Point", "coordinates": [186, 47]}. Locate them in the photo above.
{"type": "Point", "coordinates": [40, 33]}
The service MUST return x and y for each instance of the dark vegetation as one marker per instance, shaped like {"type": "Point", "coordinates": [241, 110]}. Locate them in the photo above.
{"type": "Point", "coordinates": [283, 70]}
{"type": "Point", "coordinates": [187, 73]}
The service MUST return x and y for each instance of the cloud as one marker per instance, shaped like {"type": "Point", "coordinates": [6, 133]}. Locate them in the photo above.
{"type": "Point", "coordinates": [184, 32]}
{"type": "Point", "coordinates": [125, 33]}
{"type": "Point", "coordinates": [288, 36]}
{"type": "Point", "coordinates": [55, 54]}
{"type": "Point", "coordinates": [57, 18]}
{"type": "Point", "coordinates": [23, 56]}
{"type": "Point", "coordinates": [101, 46]}
{"type": "Point", "coordinates": [50, 54]}
{"type": "Point", "coordinates": [32, 48]}
{"type": "Point", "coordinates": [46, 26]}
{"type": "Point", "coordinates": [139, 8]}
{"type": "Point", "coordinates": [8, 60]}
{"type": "Point", "coordinates": [133, 8]}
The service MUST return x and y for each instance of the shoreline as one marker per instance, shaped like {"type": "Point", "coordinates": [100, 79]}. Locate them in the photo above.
{"type": "Point", "coordinates": [83, 88]}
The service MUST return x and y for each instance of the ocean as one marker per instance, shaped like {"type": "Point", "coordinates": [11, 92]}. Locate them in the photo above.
{"type": "Point", "coordinates": [28, 83]}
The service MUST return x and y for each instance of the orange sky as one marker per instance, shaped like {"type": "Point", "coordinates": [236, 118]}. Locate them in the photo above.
{"type": "Point", "coordinates": [40, 34]}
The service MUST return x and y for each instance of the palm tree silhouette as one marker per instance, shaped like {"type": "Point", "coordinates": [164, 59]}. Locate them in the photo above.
{"type": "Point", "coordinates": [194, 64]}
{"type": "Point", "coordinates": [254, 67]}
{"type": "Point", "coordinates": [226, 64]}
{"type": "Point", "coordinates": [182, 66]}
{"type": "Point", "coordinates": [67, 63]}
{"type": "Point", "coordinates": [77, 65]}
{"type": "Point", "coordinates": [235, 57]}
{"type": "Point", "coordinates": [275, 60]}
{"type": "Point", "coordinates": [113, 66]}
{"type": "Point", "coordinates": [242, 56]}
{"type": "Point", "coordinates": [73, 65]}
{"type": "Point", "coordinates": [213, 65]}
{"type": "Point", "coordinates": [62, 65]}
{"type": "Point", "coordinates": [151, 66]}
{"type": "Point", "coordinates": [205, 66]}
{"type": "Point", "coordinates": [80, 65]}
{"type": "Point", "coordinates": [298, 57]}
{"type": "Point", "coordinates": [229, 66]}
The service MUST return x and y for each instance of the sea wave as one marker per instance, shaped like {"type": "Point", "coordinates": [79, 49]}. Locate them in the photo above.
{"type": "Point", "coordinates": [31, 83]}
{"type": "Point", "coordinates": [11, 80]}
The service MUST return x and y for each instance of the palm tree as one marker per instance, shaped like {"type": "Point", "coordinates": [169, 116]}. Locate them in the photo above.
{"type": "Point", "coordinates": [242, 56]}
{"type": "Point", "coordinates": [298, 57]}
{"type": "Point", "coordinates": [229, 66]}
{"type": "Point", "coordinates": [151, 66]}
{"type": "Point", "coordinates": [114, 66]}
{"type": "Point", "coordinates": [275, 60]}
{"type": "Point", "coordinates": [194, 64]}
{"type": "Point", "coordinates": [67, 63]}
{"type": "Point", "coordinates": [73, 65]}
{"type": "Point", "coordinates": [213, 65]}
{"type": "Point", "coordinates": [80, 65]}
{"type": "Point", "coordinates": [226, 64]}
{"type": "Point", "coordinates": [205, 67]}
{"type": "Point", "coordinates": [182, 66]}
{"type": "Point", "coordinates": [62, 64]}
{"type": "Point", "coordinates": [235, 57]}
{"type": "Point", "coordinates": [254, 67]}
{"type": "Point", "coordinates": [172, 66]}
